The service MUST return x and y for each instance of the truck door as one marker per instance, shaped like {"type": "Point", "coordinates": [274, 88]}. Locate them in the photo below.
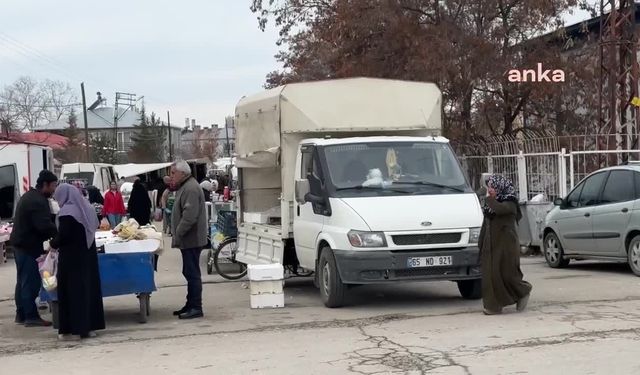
{"type": "Point", "coordinates": [9, 191]}
{"type": "Point", "coordinates": [309, 219]}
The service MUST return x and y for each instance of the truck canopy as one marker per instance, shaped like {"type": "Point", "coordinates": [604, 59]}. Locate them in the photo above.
{"type": "Point", "coordinates": [270, 125]}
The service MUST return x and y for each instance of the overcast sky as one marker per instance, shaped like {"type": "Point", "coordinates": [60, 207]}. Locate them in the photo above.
{"type": "Point", "coordinates": [196, 58]}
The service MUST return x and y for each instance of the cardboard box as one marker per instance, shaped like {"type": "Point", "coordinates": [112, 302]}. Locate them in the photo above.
{"type": "Point", "coordinates": [266, 287]}
{"type": "Point", "coordinates": [262, 301]}
{"type": "Point", "coordinates": [261, 272]}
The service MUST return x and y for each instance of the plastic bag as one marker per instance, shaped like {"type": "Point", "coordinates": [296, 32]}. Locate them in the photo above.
{"type": "Point", "coordinates": [158, 215]}
{"type": "Point", "coordinates": [48, 267]}
{"type": "Point", "coordinates": [104, 224]}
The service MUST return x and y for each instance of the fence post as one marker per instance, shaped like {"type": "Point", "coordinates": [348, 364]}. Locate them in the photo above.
{"type": "Point", "coordinates": [522, 177]}
{"type": "Point", "coordinates": [489, 164]}
{"type": "Point", "coordinates": [571, 178]}
{"type": "Point", "coordinates": [562, 173]}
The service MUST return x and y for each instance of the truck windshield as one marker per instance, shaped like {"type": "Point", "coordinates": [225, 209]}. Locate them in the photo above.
{"type": "Point", "coordinates": [86, 176]}
{"type": "Point", "coordinates": [394, 168]}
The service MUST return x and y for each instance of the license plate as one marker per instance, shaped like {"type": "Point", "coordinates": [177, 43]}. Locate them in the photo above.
{"type": "Point", "coordinates": [429, 261]}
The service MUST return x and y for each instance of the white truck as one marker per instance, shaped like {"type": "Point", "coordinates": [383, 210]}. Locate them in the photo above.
{"type": "Point", "coordinates": [97, 174]}
{"type": "Point", "coordinates": [351, 179]}
{"type": "Point", "coordinates": [28, 160]}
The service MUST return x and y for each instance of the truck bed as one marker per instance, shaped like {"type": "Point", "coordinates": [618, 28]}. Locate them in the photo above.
{"type": "Point", "coordinates": [260, 244]}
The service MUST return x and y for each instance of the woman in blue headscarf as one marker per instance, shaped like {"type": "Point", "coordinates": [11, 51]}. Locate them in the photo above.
{"type": "Point", "coordinates": [502, 279]}
{"type": "Point", "coordinates": [81, 311]}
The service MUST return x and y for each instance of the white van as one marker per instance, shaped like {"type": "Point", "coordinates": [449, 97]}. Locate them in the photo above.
{"type": "Point", "coordinates": [96, 174]}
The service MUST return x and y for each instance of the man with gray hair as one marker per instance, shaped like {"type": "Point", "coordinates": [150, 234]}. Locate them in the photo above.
{"type": "Point", "coordinates": [189, 234]}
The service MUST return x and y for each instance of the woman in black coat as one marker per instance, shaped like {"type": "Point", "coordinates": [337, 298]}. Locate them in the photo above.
{"type": "Point", "coordinates": [140, 204]}
{"type": "Point", "coordinates": [79, 291]}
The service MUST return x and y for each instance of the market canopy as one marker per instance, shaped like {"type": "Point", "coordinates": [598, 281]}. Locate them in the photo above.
{"type": "Point", "coordinates": [131, 169]}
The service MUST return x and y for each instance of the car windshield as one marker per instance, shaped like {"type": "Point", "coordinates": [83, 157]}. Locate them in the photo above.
{"type": "Point", "coordinates": [394, 168]}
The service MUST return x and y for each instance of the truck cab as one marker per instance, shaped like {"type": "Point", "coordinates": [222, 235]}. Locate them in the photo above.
{"type": "Point", "coordinates": [380, 209]}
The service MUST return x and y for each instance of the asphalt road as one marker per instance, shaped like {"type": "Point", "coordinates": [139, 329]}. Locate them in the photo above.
{"type": "Point", "coordinates": [582, 320]}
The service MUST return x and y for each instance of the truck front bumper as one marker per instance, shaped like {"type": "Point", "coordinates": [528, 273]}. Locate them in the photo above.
{"type": "Point", "coordinates": [380, 266]}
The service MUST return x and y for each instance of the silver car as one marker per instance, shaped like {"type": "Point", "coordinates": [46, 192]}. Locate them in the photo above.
{"type": "Point", "coordinates": [599, 219]}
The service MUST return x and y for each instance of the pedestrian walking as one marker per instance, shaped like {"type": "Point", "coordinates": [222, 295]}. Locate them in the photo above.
{"type": "Point", "coordinates": [140, 204]}
{"type": "Point", "coordinates": [189, 234]}
{"type": "Point", "coordinates": [32, 225]}
{"type": "Point", "coordinates": [81, 312]}
{"type": "Point", "coordinates": [502, 279]}
{"type": "Point", "coordinates": [113, 208]}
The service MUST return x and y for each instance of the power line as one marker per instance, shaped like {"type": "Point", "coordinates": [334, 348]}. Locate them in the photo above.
{"type": "Point", "coordinates": [42, 106]}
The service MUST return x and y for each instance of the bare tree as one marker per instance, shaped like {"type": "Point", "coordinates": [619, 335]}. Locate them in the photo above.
{"type": "Point", "coordinates": [27, 103]}
{"type": "Point", "coordinates": [59, 99]}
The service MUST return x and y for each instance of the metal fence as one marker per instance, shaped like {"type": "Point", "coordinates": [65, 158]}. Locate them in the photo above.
{"type": "Point", "coordinates": [553, 174]}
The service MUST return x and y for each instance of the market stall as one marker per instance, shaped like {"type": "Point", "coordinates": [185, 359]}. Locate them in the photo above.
{"type": "Point", "coordinates": [126, 264]}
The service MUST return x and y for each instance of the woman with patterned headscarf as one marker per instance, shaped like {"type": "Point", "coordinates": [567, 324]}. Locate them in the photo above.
{"type": "Point", "coordinates": [502, 279]}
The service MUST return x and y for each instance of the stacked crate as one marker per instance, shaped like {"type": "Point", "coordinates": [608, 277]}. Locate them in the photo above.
{"type": "Point", "coordinates": [266, 285]}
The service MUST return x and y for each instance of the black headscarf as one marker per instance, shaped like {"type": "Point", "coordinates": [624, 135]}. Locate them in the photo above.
{"type": "Point", "coordinates": [505, 192]}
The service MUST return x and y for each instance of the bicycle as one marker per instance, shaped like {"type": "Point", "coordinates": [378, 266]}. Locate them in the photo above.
{"type": "Point", "coordinates": [223, 259]}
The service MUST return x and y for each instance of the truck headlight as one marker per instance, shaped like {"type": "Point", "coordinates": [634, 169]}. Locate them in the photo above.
{"type": "Point", "coordinates": [367, 239]}
{"type": "Point", "coordinates": [474, 235]}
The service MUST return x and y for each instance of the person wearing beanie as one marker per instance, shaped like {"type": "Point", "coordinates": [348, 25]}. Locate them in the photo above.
{"type": "Point", "coordinates": [32, 226]}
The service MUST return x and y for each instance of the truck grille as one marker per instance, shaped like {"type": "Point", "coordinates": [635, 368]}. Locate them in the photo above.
{"type": "Point", "coordinates": [413, 272]}
{"type": "Point", "coordinates": [426, 239]}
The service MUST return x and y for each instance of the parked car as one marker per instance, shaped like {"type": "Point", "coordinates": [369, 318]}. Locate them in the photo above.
{"type": "Point", "coordinates": [599, 219]}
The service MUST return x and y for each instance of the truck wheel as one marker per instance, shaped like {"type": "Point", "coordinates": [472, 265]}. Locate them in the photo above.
{"type": "Point", "coordinates": [331, 287]}
{"type": "Point", "coordinates": [470, 289]}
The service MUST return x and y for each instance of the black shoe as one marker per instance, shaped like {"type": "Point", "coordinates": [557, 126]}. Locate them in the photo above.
{"type": "Point", "coordinates": [181, 311]}
{"type": "Point", "coordinates": [19, 320]}
{"type": "Point", "coordinates": [191, 314]}
{"type": "Point", "coordinates": [37, 323]}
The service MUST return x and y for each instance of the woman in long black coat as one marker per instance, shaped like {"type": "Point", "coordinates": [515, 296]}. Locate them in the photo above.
{"type": "Point", "coordinates": [140, 204]}
{"type": "Point", "coordinates": [81, 312]}
{"type": "Point", "coordinates": [502, 279]}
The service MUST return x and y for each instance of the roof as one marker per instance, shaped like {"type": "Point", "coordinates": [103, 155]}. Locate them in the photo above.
{"type": "Point", "coordinates": [344, 141]}
{"type": "Point", "coordinates": [11, 141]}
{"type": "Point", "coordinates": [55, 141]}
{"type": "Point", "coordinates": [130, 170]}
{"type": "Point", "coordinates": [100, 118]}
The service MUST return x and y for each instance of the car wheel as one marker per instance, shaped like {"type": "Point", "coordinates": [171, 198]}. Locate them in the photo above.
{"type": "Point", "coordinates": [553, 252]}
{"type": "Point", "coordinates": [470, 289]}
{"type": "Point", "coordinates": [332, 289]}
{"type": "Point", "coordinates": [633, 255]}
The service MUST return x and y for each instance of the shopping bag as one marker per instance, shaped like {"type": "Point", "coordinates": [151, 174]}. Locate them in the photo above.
{"type": "Point", "coordinates": [104, 224]}
{"type": "Point", "coordinates": [48, 267]}
{"type": "Point", "coordinates": [158, 215]}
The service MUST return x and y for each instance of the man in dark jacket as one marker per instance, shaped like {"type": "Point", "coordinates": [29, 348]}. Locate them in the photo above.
{"type": "Point", "coordinates": [32, 225]}
{"type": "Point", "coordinates": [189, 234]}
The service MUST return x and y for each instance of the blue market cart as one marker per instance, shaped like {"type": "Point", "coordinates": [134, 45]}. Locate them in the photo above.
{"type": "Point", "coordinates": [120, 274]}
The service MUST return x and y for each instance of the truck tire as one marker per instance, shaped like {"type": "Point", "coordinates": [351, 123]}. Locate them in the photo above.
{"type": "Point", "coordinates": [331, 287]}
{"type": "Point", "coordinates": [470, 289]}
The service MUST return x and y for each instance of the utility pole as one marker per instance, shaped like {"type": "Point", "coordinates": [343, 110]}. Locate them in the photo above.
{"type": "Point", "coordinates": [226, 130]}
{"type": "Point", "coordinates": [127, 100]}
{"type": "Point", "coordinates": [619, 74]}
{"type": "Point", "coordinates": [86, 125]}
{"type": "Point", "coordinates": [169, 131]}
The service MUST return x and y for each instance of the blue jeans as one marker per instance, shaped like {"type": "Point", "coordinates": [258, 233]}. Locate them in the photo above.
{"type": "Point", "coordinates": [191, 273]}
{"type": "Point", "coordinates": [114, 220]}
{"type": "Point", "coordinates": [27, 286]}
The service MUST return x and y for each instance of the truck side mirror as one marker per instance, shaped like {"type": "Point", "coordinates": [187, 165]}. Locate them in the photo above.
{"type": "Point", "coordinates": [302, 189]}
{"type": "Point", "coordinates": [558, 202]}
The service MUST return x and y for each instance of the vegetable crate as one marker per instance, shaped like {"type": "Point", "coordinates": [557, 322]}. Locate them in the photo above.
{"type": "Point", "coordinates": [228, 223]}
